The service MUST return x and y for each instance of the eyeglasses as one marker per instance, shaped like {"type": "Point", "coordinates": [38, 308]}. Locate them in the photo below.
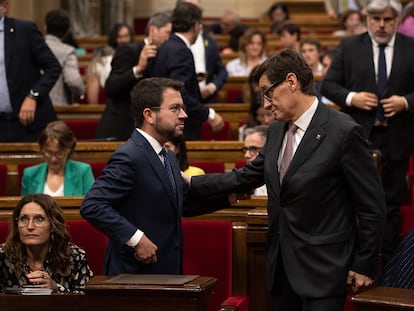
{"type": "Point", "coordinates": [266, 91]}
{"type": "Point", "coordinates": [38, 220]}
{"type": "Point", "coordinates": [252, 149]}
{"type": "Point", "coordinates": [176, 108]}
{"type": "Point", "coordinates": [58, 154]}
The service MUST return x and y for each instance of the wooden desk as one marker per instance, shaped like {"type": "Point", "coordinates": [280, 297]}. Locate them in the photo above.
{"type": "Point", "coordinates": [385, 299]}
{"type": "Point", "coordinates": [195, 295]}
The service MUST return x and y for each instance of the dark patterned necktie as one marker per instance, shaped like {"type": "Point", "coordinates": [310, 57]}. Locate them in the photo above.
{"type": "Point", "coordinates": [168, 168]}
{"type": "Point", "coordinates": [288, 152]}
{"type": "Point", "coordinates": [381, 81]}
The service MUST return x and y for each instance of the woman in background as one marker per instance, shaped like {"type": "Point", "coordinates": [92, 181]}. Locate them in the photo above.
{"type": "Point", "coordinates": [38, 251]}
{"type": "Point", "coordinates": [100, 64]}
{"type": "Point", "coordinates": [252, 53]}
{"type": "Point", "coordinates": [58, 176]}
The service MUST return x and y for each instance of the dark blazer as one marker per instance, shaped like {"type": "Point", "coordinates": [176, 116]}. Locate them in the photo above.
{"type": "Point", "coordinates": [216, 71]}
{"type": "Point", "coordinates": [174, 60]}
{"type": "Point", "coordinates": [116, 120]}
{"type": "Point", "coordinates": [312, 214]}
{"type": "Point", "coordinates": [133, 192]}
{"type": "Point", "coordinates": [353, 70]}
{"type": "Point", "coordinates": [26, 55]}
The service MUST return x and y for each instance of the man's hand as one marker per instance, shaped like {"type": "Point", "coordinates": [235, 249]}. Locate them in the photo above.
{"type": "Point", "coordinates": [217, 123]}
{"type": "Point", "coordinates": [393, 105]}
{"type": "Point", "coordinates": [207, 91]}
{"type": "Point", "coordinates": [365, 100]}
{"type": "Point", "coordinates": [146, 251]}
{"type": "Point", "coordinates": [147, 52]}
{"type": "Point", "coordinates": [358, 281]}
{"type": "Point", "coordinates": [27, 111]}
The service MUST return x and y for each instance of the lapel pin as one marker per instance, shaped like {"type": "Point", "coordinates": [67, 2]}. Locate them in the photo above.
{"type": "Point", "coordinates": [11, 29]}
{"type": "Point", "coordinates": [318, 136]}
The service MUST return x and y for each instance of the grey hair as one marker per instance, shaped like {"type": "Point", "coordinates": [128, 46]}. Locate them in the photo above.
{"type": "Point", "coordinates": [260, 129]}
{"type": "Point", "coordinates": [159, 20]}
{"type": "Point", "coordinates": [374, 6]}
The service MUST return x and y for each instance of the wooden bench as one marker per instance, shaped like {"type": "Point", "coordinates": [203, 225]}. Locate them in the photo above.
{"type": "Point", "coordinates": [12, 154]}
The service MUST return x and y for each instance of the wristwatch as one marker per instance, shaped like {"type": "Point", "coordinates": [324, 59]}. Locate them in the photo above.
{"type": "Point", "coordinates": [33, 95]}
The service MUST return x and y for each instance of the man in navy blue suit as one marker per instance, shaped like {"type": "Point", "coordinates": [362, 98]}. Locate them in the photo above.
{"type": "Point", "coordinates": [174, 60]}
{"type": "Point", "coordinates": [139, 199]}
{"type": "Point", "coordinates": [351, 82]}
{"type": "Point", "coordinates": [28, 70]}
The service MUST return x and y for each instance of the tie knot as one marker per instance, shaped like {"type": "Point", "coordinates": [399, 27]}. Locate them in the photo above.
{"type": "Point", "coordinates": [292, 127]}
{"type": "Point", "coordinates": [163, 152]}
{"type": "Point", "coordinates": [382, 46]}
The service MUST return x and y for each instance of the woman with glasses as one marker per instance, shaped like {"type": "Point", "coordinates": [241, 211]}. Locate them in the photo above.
{"type": "Point", "coordinates": [38, 251]}
{"type": "Point", "coordinates": [58, 176]}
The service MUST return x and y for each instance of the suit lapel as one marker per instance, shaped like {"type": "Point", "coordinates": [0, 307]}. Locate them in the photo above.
{"type": "Point", "coordinates": [314, 135]}
{"type": "Point", "coordinates": [273, 148]}
{"type": "Point", "coordinates": [9, 42]}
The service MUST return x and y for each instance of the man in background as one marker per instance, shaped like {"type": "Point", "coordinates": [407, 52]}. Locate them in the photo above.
{"type": "Point", "coordinates": [174, 60]}
{"type": "Point", "coordinates": [371, 79]}
{"type": "Point", "coordinates": [28, 70]}
{"type": "Point", "coordinates": [129, 66]}
{"type": "Point", "coordinates": [69, 88]}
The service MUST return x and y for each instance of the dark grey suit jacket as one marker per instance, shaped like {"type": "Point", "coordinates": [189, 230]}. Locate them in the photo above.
{"type": "Point", "coordinates": [353, 70]}
{"type": "Point", "coordinates": [331, 180]}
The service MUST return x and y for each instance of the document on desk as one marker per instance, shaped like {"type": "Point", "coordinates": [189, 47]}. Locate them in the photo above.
{"type": "Point", "coordinates": [150, 279]}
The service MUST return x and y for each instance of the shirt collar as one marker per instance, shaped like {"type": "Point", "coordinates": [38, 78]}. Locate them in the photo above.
{"type": "Point", "coordinates": [187, 43]}
{"type": "Point", "coordinates": [305, 119]}
{"type": "Point", "coordinates": [2, 24]}
{"type": "Point", "coordinates": [152, 141]}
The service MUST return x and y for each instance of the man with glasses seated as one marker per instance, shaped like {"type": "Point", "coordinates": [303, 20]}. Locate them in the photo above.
{"type": "Point", "coordinates": [254, 141]}
{"type": "Point", "coordinates": [58, 176]}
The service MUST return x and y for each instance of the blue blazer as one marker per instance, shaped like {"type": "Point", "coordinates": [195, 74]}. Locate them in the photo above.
{"type": "Point", "coordinates": [78, 178]}
{"type": "Point", "coordinates": [133, 192]}
{"type": "Point", "coordinates": [26, 55]}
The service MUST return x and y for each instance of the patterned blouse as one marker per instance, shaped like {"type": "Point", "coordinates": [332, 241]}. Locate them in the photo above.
{"type": "Point", "coordinates": [72, 283]}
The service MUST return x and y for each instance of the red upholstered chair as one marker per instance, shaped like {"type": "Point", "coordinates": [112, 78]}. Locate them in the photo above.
{"type": "Point", "coordinates": [207, 132]}
{"type": "Point", "coordinates": [3, 179]}
{"type": "Point", "coordinates": [209, 166]}
{"type": "Point", "coordinates": [4, 230]}
{"type": "Point", "coordinates": [234, 95]}
{"type": "Point", "coordinates": [91, 240]}
{"type": "Point", "coordinates": [83, 129]}
{"type": "Point", "coordinates": [239, 164]}
{"type": "Point", "coordinates": [208, 250]}
{"type": "Point", "coordinates": [97, 168]}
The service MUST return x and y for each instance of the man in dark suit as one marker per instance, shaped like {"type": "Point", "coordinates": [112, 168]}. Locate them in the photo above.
{"type": "Point", "coordinates": [326, 213]}
{"type": "Point", "coordinates": [174, 60]}
{"type": "Point", "coordinates": [128, 67]}
{"type": "Point", "coordinates": [139, 199]}
{"type": "Point", "coordinates": [385, 112]}
{"type": "Point", "coordinates": [28, 70]}
{"type": "Point", "coordinates": [211, 73]}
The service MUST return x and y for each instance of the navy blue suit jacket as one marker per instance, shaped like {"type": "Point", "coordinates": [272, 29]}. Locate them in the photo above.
{"type": "Point", "coordinates": [134, 192]}
{"type": "Point", "coordinates": [174, 60]}
{"type": "Point", "coordinates": [312, 214]}
{"type": "Point", "coordinates": [353, 70]}
{"type": "Point", "coordinates": [26, 55]}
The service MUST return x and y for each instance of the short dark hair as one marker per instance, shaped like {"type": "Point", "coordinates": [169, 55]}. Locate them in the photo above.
{"type": "Point", "coordinates": [290, 27]}
{"type": "Point", "coordinates": [312, 41]}
{"type": "Point", "coordinates": [57, 23]}
{"type": "Point", "coordinates": [279, 65]}
{"type": "Point", "coordinates": [184, 16]}
{"type": "Point", "coordinates": [59, 132]}
{"type": "Point", "coordinates": [278, 5]}
{"type": "Point", "coordinates": [149, 93]}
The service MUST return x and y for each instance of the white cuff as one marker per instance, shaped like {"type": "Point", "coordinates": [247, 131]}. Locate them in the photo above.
{"type": "Point", "coordinates": [134, 240]}
{"type": "Point", "coordinates": [211, 113]}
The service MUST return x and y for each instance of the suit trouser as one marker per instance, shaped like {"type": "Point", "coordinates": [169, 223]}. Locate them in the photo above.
{"type": "Point", "coordinates": [11, 130]}
{"type": "Point", "coordinates": [284, 298]}
{"type": "Point", "coordinates": [394, 183]}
